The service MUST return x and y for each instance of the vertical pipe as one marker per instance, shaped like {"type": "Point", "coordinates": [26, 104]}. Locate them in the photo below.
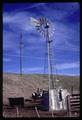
{"type": "Point", "coordinates": [49, 76]}
{"type": "Point", "coordinates": [51, 83]}
{"type": "Point", "coordinates": [49, 65]}
{"type": "Point", "coordinates": [17, 111]}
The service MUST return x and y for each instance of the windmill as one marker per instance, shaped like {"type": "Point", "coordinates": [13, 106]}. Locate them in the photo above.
{"type": "Point", "coordinates": [43, 26]}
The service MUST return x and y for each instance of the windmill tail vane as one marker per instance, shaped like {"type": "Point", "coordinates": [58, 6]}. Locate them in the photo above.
{"type": "Point", "coordinates": [38, 22]}
{"type": "Point", "coordinates": [35, 22]}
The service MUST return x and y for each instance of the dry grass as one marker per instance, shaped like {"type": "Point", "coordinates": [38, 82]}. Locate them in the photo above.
{"type": "Point", "coordinates": [14, 86]}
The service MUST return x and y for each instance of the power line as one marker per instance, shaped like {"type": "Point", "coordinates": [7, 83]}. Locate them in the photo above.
{"type": "Point", "coordinates": [26, 56]}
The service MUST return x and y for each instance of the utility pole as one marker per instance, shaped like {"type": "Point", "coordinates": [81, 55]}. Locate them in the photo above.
{"type": "Point", "coordinates": [21, 45]}
{"type": "Point", "coordinates": [21, 63]}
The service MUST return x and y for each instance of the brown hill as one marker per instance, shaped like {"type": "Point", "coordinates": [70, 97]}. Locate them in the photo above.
{"type": "Point", "coordinates": [15, 86]}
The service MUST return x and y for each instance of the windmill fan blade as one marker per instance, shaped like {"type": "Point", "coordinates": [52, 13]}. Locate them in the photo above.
{"type": "Point", "coordinates": [42, 21]}
{"type": "Point", "coordinates": [34, 21]}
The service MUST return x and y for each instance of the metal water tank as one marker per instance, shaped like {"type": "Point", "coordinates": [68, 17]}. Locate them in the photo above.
{"type": "Point", "coordinates": [62, 102]}
{"type": "Point", "coordinates": [53, 100]}
{"type": "Point", "coordinates": [45, 101]}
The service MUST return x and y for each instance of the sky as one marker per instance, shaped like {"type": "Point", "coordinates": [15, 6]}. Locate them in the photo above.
{"type": "Point", "coordinates": [65, 34]}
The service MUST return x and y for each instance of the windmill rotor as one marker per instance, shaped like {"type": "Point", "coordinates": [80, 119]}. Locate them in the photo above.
{"type": "Point", "coordinates": [40, 24]}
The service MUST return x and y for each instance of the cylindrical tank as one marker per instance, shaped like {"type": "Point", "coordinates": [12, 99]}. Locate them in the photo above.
{"type": "Point", "coordinates": [62, 103]}
{"type": "Point", "coordinates": [45, 101]}
{"type": "Point", "coordinates": [53, 100]}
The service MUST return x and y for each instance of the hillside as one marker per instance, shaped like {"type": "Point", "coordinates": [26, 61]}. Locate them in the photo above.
{"type": "Point", "coordinates": [14, 86]}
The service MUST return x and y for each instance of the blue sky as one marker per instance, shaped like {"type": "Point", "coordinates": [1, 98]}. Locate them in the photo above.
{"type": "Point", "coordinates": [65, 22]}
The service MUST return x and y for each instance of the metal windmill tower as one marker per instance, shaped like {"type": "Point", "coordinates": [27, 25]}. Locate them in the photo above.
{"type": "Point", "coordinates": [43, 26]}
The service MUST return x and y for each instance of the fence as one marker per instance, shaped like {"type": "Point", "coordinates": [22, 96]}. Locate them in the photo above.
{"type": "Point", "coordinates": [73, 105]}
